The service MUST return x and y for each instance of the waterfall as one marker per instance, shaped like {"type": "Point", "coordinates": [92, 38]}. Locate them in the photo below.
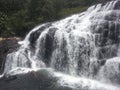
{"type": "Point", "coordinates": [82, 45]}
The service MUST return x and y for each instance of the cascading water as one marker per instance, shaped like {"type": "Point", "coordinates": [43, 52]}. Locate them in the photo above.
{"type": "Point", "coordinates": [84, 45]}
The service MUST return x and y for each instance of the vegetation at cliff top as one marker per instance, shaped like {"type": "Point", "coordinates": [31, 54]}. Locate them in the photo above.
{"type": "Point", "coordinates": [17, 17]}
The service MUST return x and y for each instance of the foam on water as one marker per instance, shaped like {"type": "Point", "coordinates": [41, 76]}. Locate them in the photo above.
{"type": "Point", "coordinates": [78, 83]}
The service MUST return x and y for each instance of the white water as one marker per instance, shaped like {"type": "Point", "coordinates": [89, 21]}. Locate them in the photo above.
{"type": "Point", "coordinates": [76, 46]}
{"type": "Point", "coordinates": [78, 83]}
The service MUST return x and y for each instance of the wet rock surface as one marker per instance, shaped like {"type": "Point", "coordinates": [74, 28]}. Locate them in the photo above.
{"type": "Point", "coordinates": [40, 80]}
{"type": "Point", "coordinates": [46, 80]}
{"type": "Point", "coordinates": [7, 45]}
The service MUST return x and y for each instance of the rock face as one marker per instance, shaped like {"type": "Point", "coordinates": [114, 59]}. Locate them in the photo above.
{"type": "Point", "coordinates": [46, 80]}
{"type": "Point", "coordinates": [7, 45]}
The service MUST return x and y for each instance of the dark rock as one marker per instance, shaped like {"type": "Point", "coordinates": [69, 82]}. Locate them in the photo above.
{"type": "Point", "coordinates": [107, 52]}
{"type": "Point", "coordinates": [41, 80]}
{"type": "Point", "coordinates": [117, 5]}
{"type": "Point", "coordinates": [49, 44]}
{"type": "Point", "coordinates": [7, 45]}
{"type": "Point", "coordinates": [35, 35]}
{"type": "Point", "coordinates": [47, 80]}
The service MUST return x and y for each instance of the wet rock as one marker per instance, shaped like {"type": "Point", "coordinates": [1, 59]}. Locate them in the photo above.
{"type": "Point", "coordinates": [7, 45]}
{"type": "Point", "coordinates": [117, 5]}
{"type": "Point", "coordinates": [44, 79]}
{"type": "Point", "coordinates": [107, 52]}
{"type": "Point", "coordinates": [110, 72]}
{"type": "Point", "coordinates": [35, 34]}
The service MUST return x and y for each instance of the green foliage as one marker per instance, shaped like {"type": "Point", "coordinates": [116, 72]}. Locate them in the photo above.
{"type": "Point", "coordinates": [17, 17]}
{"type": "Point", "coordinates": [70, 11]}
